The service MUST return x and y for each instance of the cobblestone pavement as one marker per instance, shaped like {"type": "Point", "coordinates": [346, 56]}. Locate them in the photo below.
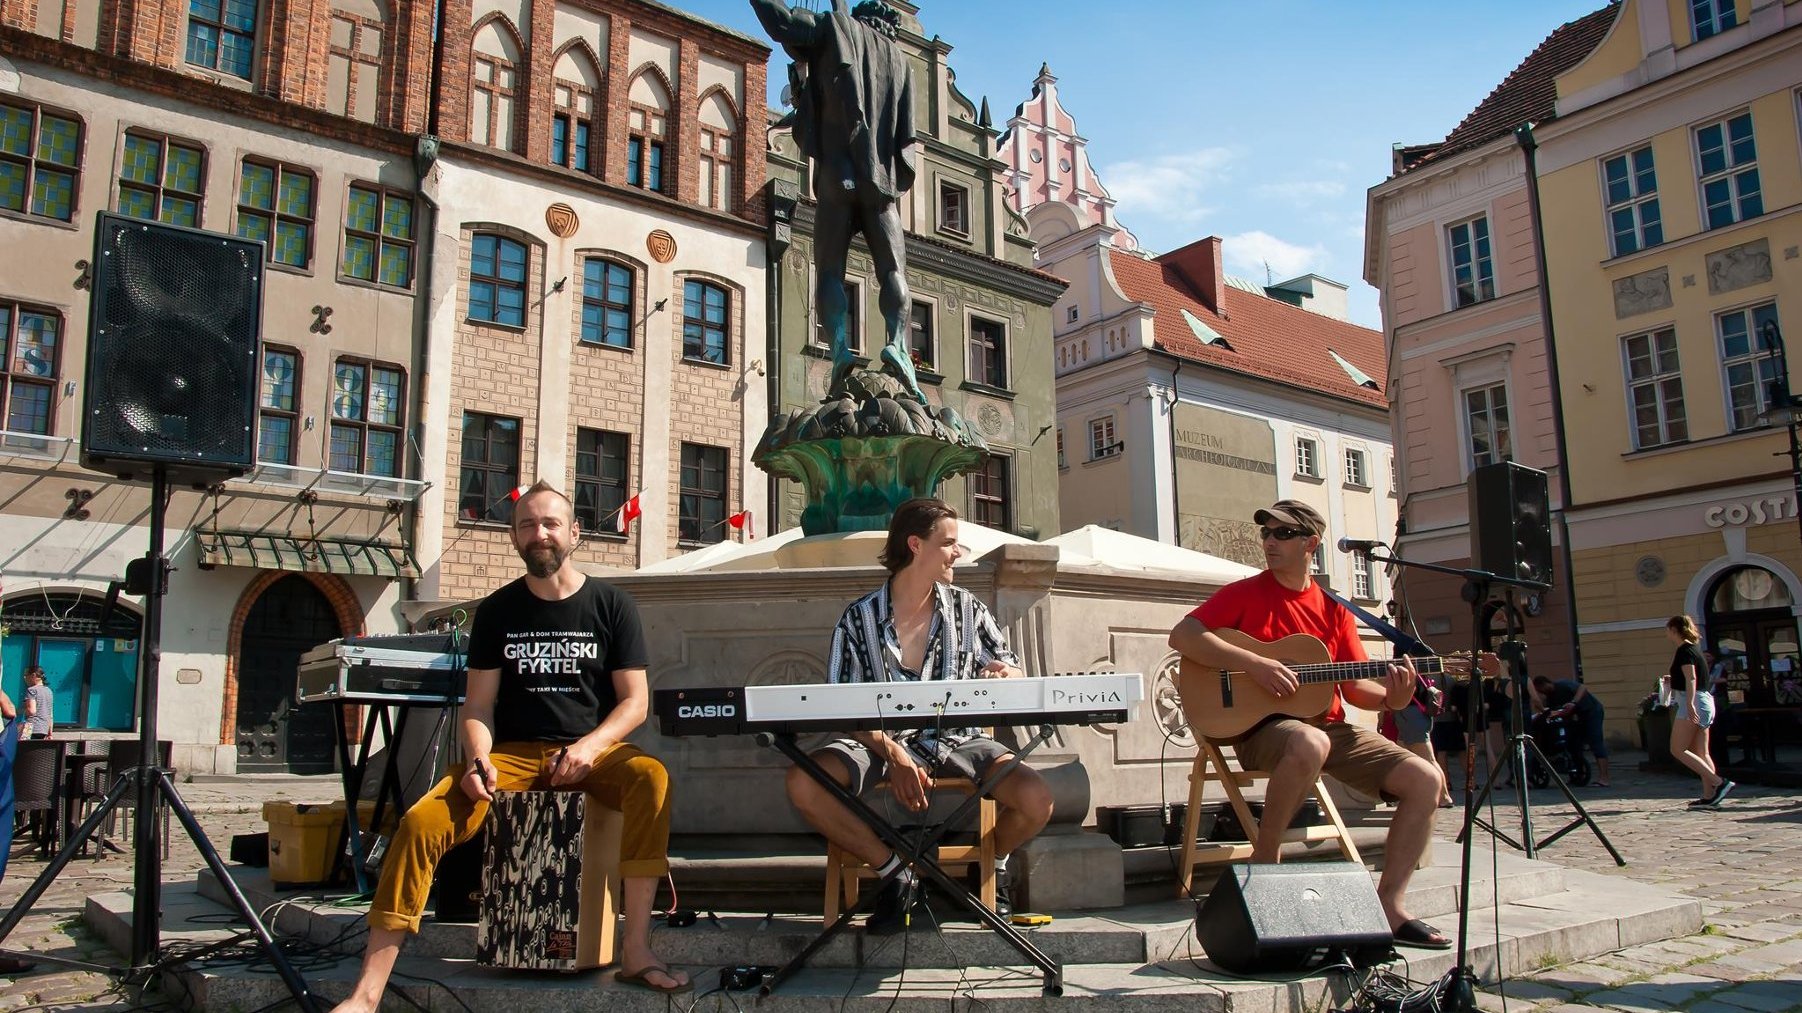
{"type": "Point", "coordinates": [223, 807]}
{"type": "Point", "coordinates": [1744, 862]}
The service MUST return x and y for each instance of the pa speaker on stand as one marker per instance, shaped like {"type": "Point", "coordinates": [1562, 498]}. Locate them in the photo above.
{"type": "Point", "coordinates": [173, 333]}
{"type": "Point", "coordinates": [1511, 522]}
{"type": "Point", "coordinates": [174, 321]}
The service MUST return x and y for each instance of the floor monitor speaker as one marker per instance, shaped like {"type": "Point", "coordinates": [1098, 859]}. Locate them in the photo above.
{"type": "Point", "coordinates": [1276, 919]}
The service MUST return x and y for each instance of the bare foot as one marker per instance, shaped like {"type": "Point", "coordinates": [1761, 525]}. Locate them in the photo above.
{"type": "Point", "coordinates": [358, 1004]}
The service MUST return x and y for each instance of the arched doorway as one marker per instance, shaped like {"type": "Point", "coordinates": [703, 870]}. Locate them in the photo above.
{"type": "Point", "coordinates": [290, 618]}
{"type": "Point", "coordinates": [89, 656]}
{"type": "Point", "coordinates": [1752, 628]}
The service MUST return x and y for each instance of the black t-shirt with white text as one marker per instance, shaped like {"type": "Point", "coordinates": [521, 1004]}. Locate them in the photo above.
{"type": "Point", "coordinates": [556, 658]}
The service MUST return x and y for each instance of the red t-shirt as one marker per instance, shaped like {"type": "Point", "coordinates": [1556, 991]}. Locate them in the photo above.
{"type": "Point", "coordinates": [1261, 607]}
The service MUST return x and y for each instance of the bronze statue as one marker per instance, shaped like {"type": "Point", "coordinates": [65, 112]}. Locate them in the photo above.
{"type": "Point", "coordinates": [854, 117]}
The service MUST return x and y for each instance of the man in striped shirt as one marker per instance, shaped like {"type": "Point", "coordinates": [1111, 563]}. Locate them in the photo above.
{"type": "Point", "coordinates": [918, 626]}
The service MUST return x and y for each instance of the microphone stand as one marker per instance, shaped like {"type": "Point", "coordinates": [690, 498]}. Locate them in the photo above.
{"type": "Point", "coordinates": [1460, 994]}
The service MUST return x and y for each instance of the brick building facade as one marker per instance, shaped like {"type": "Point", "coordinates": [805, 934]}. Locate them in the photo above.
{"type": "Point", "coordinates": [580, 168]}
{"type": "Point", "coordinates": [599, 266]}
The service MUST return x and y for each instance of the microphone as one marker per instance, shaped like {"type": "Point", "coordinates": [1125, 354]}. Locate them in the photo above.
{"type": "Point", "coordinates": [1359, 544]}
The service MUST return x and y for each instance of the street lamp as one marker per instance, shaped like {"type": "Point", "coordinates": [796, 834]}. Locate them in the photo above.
{"type": "Point", "coordinates": [1784, 408]}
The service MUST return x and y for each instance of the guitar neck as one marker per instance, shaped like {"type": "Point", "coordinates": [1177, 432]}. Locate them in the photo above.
{"type": "Point", "coordinates": [1346, 671]}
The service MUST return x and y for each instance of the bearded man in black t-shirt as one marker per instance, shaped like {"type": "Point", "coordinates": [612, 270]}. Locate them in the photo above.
{"type": "Point", "coordinates": [556, 683]}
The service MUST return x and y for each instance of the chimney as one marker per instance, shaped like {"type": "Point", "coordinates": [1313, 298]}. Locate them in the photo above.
{"type": "Point", "coordinates": [1200, 266]}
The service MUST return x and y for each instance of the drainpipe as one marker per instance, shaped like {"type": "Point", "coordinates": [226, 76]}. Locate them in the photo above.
{"type": "Point", "coordinates": [424, 157]}
{"type": "Point", "coordinates": [1523, 135]}
{"type": "Point", "coordinates": [1176, 495]}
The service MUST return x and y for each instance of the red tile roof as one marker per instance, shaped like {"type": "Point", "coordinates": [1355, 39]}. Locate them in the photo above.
{"type": "Point", "coordinates": [1270, 338]}
{"type": "Point", "coordinates": [1530, 93]}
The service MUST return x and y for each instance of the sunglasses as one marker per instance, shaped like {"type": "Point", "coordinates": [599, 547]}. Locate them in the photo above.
{"type": "Point", "coordinates": [1282, 534]}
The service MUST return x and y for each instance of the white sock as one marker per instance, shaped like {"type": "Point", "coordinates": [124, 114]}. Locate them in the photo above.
{"type": "Point", "coordinates": [1000, 863]}
{"type": "Point", "coordinates": [893, 863]}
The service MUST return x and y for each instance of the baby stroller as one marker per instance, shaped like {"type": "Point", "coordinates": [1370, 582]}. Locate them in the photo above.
{"type": "Point", "coordinates": [1557, 737]}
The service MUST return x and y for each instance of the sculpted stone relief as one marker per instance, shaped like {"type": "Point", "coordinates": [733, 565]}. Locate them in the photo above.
{"type": "Point", "coordinates": [1739, 266]}
{"type": "Point", "coordinates": [1642, 293]}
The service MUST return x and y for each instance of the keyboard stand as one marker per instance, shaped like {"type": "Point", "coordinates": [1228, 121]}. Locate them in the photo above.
{"type": "Point", "coordinates": [353, 772]}
{"type": "Point", "coordinates": [922, 857]}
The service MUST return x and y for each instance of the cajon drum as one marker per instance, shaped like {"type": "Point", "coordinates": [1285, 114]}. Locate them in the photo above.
{"type": "Point", "coordinates": [550, 882]}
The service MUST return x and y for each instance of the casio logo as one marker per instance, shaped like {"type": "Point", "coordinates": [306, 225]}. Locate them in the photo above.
{"type": "Point", "coordinates": [711, 710]}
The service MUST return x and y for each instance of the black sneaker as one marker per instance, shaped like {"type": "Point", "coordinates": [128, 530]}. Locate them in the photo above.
{"type": "Point", "coordinates": [898, 897]}
{"type": "Point", "coordinates": [1720, 792]}
{"type": "Point", "coordinates": [1004, 894]}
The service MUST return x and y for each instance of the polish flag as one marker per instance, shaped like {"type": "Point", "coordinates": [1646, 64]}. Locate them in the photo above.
{"type": "Point", "coordinates": [742, 521]}
{"type": "Point", "coordinates": [518, 491]}
{"type": "Point", "coordinates": [628, 512]}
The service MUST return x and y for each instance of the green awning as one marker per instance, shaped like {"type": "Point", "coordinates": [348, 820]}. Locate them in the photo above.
{"type": "Point", "coordinates": [349, 557]}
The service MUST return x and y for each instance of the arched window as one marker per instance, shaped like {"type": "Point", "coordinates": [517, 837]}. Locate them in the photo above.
{"type": "Point", "coordinates": [706, 322]}
{"type": "Point", "coordinates": [575, 83]}
{"type": "Point", "coordinates": [606, 303]}
{"type": "Point", "coordinates": [353, 65]}
{"type": "Point", "coordinates": [647, 120]}
{"type": "Point", "coordinates": [497, 280]}
{"type": "Point", "coordinates": [493, 86]}
{"type": "Point", "coordinates": [718, 129]}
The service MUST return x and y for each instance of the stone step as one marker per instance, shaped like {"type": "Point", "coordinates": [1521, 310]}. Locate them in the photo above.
{"type": "Point", "coordinates": [1126, 934]}
{"type": "Point", "coordinates": [1592, 915]}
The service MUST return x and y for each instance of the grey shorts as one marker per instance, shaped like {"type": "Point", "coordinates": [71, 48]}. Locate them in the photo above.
{"type": "Point", "coordinates": [1704, 715]}
{"type": "Point", "coordinates": [1412, 725]}
{"type": "Point", "coordinates": [971, 760]}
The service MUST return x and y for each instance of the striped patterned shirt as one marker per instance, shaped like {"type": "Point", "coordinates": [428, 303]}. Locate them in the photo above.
{"type": "Point", "coordinates": [961, 641]}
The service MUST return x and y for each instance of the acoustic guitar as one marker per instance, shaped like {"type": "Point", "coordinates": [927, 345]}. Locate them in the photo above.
{"type": "Point", "coordinates": [1223, 705]}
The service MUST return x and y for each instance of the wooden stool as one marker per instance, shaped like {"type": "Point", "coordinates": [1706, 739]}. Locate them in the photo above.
{"type": "Point", "coordinates": [1211, 765]}
{"type": "Point", "coordinates": [550, 882]}
{"type": "Point", "coordinates": [844, 870]}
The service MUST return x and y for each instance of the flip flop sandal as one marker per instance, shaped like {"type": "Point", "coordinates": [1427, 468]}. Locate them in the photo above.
{"type": "Point", "coordinates": [1415, 932]}
{"type": "Point", "coordinates": [642, 980]}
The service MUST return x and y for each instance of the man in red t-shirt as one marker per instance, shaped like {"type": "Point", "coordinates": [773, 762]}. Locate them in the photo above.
{"type": "Point", "coordinates": [1276, 603]}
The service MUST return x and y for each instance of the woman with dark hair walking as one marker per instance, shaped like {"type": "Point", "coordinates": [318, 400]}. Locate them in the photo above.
{"type": "Point", "coordinates": [1695, 710]}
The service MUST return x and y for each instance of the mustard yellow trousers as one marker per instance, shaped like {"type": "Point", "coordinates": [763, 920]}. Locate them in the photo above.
{"type": "Point", "coordinates": [624, 778]}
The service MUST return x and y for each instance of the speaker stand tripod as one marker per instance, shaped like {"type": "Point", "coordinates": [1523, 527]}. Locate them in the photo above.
{"type": "Point", "coordinates": [1515, 759]}
{"type": "Point", "coordinates": [152, 787]}
{"type": "Point", "coordinates": [1458, 993]}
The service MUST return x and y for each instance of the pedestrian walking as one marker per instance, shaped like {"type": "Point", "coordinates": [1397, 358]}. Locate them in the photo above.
{"type": "Point", "coordinates": [1695, 710]}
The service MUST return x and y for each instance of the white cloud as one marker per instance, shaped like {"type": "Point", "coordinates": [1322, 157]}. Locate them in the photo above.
{"type": "Point", "coordinates": [1169, 187]}
{"type": "Point", "coordinates": [1248, 253]}
{"type": "Point", "coordinates": [1302, 191]}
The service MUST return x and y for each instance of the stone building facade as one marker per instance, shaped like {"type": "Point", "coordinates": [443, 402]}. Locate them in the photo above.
{"type": "Point", "coordinates": [295, 122]}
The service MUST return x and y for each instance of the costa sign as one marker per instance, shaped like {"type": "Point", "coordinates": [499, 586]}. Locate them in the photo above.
{"type": "Point", "coordinates": [1751, 511]}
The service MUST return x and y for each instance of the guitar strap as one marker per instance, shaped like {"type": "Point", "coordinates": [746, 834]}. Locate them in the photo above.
{"type": "Point", "coordinates": [1404, 643]}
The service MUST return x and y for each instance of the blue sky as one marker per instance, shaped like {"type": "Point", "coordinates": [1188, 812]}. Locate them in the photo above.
{"type": "Point", "coordinates": [1261, 122]}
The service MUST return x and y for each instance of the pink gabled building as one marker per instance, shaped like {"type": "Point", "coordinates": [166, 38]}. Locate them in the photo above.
{"type": "Point", "coordinates": [1449, 245]}
{"type": "Point", "coordinates": [1048, 161]}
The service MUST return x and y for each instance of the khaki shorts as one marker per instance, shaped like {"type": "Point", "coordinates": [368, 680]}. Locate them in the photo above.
{"type": "Point", "coordinates": [1357, 756]}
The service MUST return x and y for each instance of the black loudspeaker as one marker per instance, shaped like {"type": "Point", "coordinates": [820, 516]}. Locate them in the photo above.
{"type": "Point", "coordinates": [1511, 522]}
{"type": "Point", "coordinates": [173, 330]}
{"type": "Point", "coordinates": [1276, 919]}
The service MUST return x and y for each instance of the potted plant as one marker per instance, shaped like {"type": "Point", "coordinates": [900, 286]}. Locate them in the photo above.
{"type": "Point", "coordinates": [1655, 730]}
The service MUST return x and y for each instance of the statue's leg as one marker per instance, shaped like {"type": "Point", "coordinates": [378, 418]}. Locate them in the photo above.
{"type": "Point", "coordinates": [833, 226]}
{"type": "Point", "coordinates": [888, 248]}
